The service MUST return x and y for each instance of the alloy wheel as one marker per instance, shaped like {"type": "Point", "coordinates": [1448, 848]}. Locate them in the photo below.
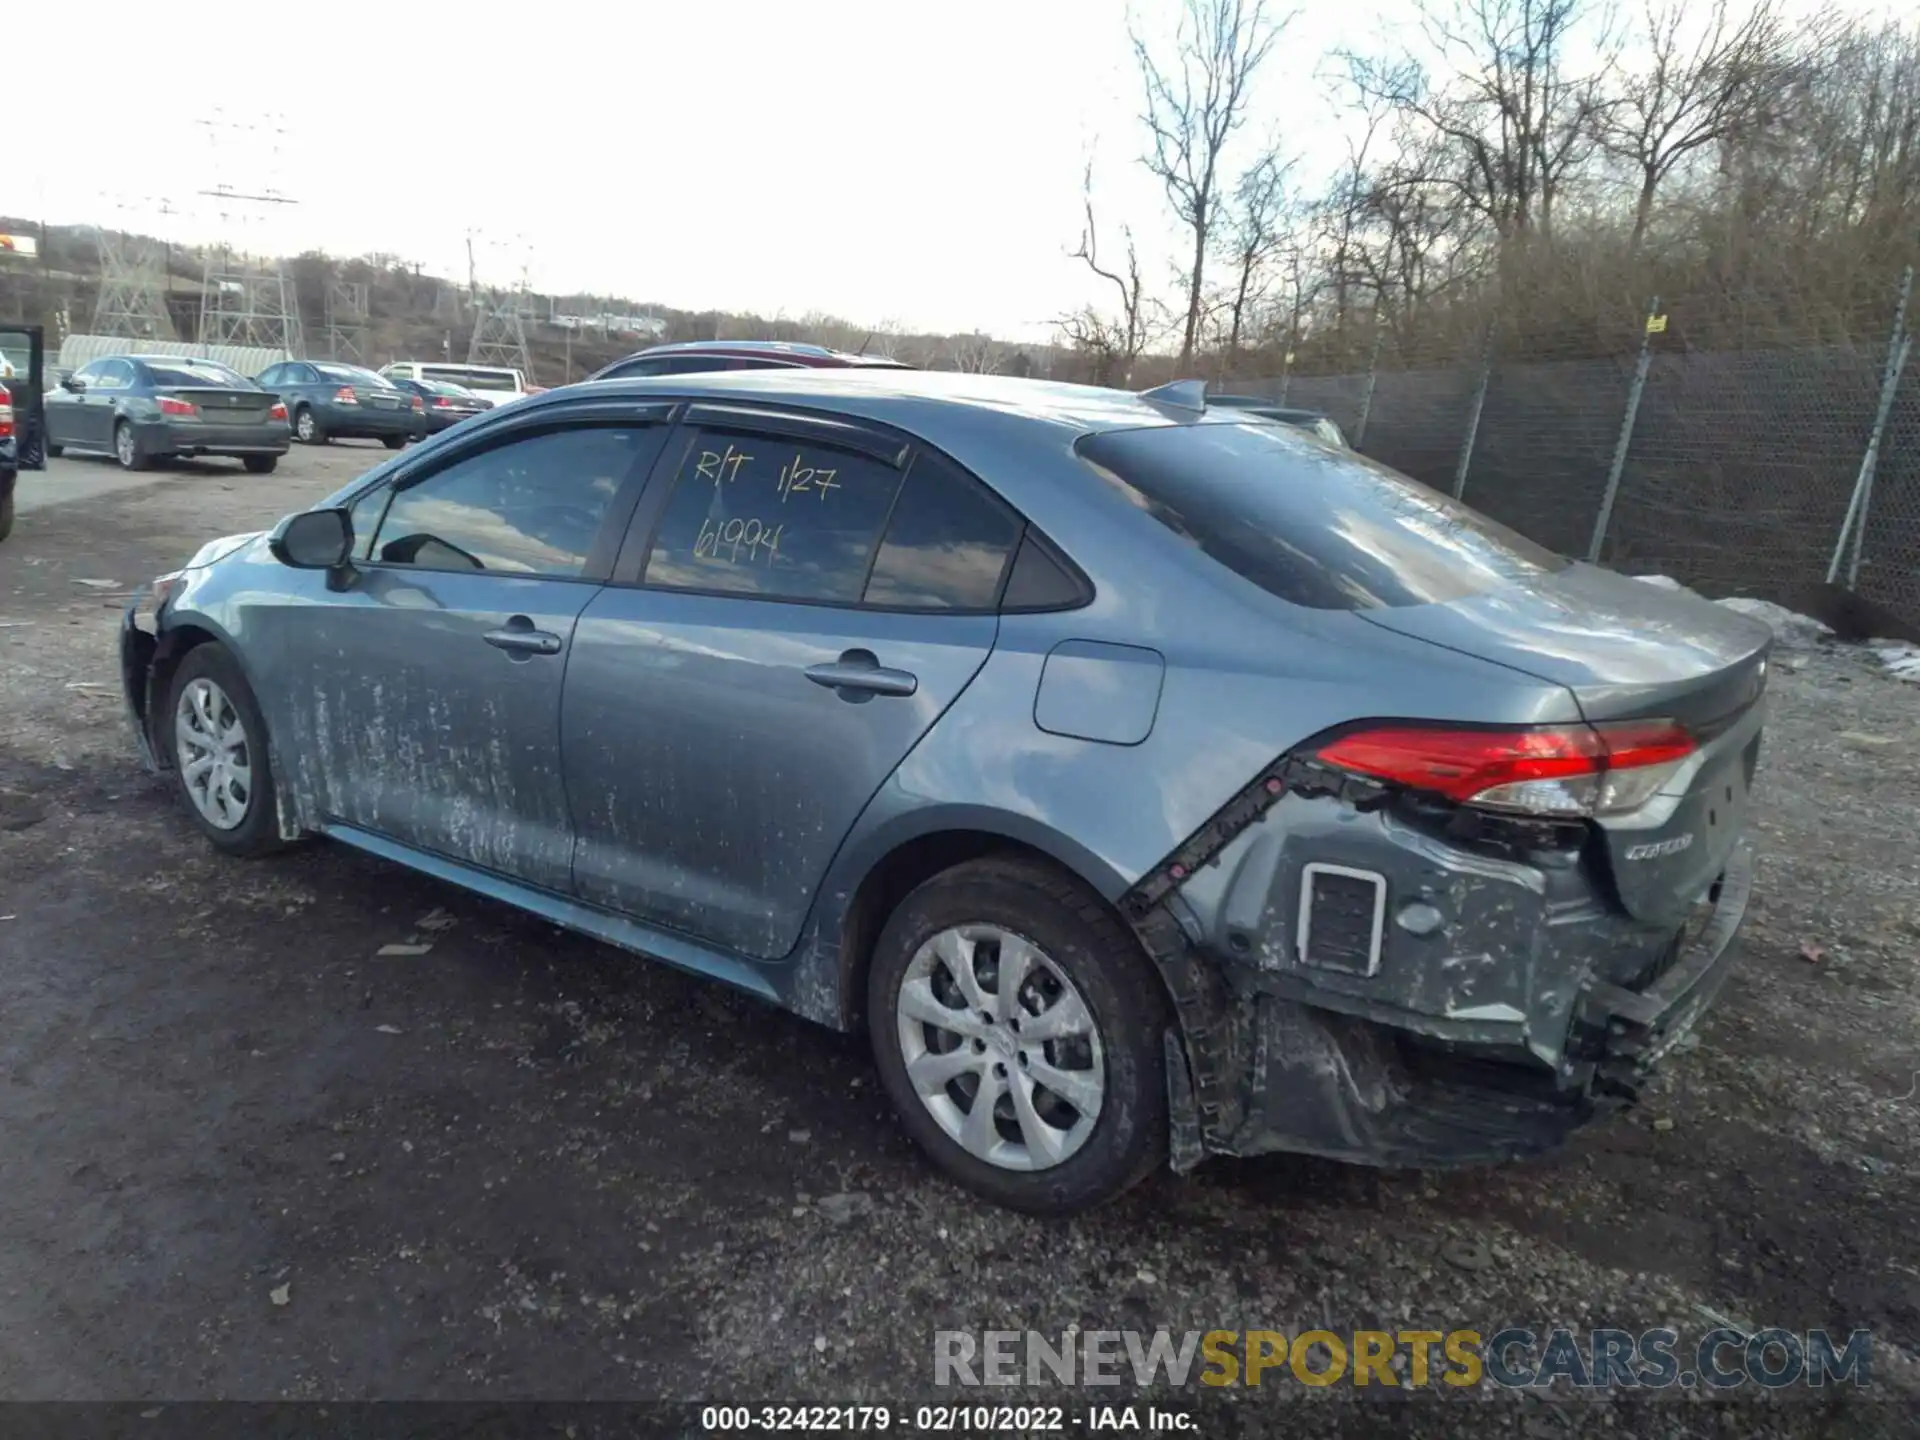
{"type": "Point", "coordinates": [214, 754]}
{"type": "Point", "coordinates": [123, 447]}
{"type": "Point", "coordinates": [1000, 1047]}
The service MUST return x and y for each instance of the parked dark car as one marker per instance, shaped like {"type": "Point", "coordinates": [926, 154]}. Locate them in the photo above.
{"type": "Point", "coordinates": [332, 401]}
{"type": "Point", "coordinates": [1316, 421]}
{"type": "Point", "coordinates": [1146, 780]}
{"type": "Point", "coordinates": [9, 460]}
{"type": "Point", "coordinates": [700, 356]}
{"type": "Point", "coordinates": [446, 404]}
{"type": "Point", "coordinates": [22, 361]}
{"type": "Point", "coordinates": [142, 408]}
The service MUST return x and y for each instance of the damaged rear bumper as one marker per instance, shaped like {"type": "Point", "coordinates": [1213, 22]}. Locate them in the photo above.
{"type": "Point", "coordinates": [1519, 1006]}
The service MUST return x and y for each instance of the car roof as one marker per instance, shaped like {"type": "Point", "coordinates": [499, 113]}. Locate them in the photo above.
{"type": "Point", "coordinates": [936, 404]}
{"type": "Point", "coordinates": [794, 350]}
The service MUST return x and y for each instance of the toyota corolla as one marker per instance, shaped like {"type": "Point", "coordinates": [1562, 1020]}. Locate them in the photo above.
{"type": "Point", "coordinates": [1147, 782]}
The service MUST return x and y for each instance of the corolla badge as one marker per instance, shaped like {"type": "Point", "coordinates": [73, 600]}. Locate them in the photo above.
{"type": "Point", "coordinates": [1654, 849]}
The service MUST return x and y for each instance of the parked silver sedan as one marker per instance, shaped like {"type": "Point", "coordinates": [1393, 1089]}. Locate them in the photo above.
{"type": "Point", "coordinates": [1146, 780]}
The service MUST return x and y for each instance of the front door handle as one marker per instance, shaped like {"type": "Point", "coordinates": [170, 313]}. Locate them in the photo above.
{"type": "Point", "coordinates": [858, 674]}
{"type": "Point", "coordinates": [518, 637]}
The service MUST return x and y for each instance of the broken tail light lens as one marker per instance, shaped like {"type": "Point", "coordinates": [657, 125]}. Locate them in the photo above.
{"type": "Point", "coordinates": [1564, 771]}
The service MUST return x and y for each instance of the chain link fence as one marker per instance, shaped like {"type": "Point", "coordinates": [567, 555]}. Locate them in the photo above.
{"type": "Point", "coordinates": [1737, 464]}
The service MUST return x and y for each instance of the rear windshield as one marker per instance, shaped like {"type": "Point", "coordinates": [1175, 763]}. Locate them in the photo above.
{"type": "Point", "coordinates": [354, 375]}
{"type": "Point", "coordinates": [1313, 525]}
{"type": "Point", "coordinates": [205, 377]}
{"type": "Point", "coordinates": [480, 379]}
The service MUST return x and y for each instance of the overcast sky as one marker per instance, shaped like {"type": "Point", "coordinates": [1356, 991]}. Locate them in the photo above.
{"type": "Point", "coordinates": [917, 163]}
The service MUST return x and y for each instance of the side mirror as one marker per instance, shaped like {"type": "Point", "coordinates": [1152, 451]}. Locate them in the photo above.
{"type": "Point", "coordinates": [73, 383]}
{"type": "Point", "coordinates": [313, 540]}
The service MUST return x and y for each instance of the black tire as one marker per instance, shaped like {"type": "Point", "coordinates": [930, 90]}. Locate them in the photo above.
{"type": "Point", "coordinates": [54, 452]}
{"type": "Point", "coordinates": [1088, 944]}
{"type": "Point", "coordinates": [6, 516]}
{"type": "Point", "coordinates": [306, 427]}
{"type": "Point", "coordinates": [126, 449]}
{"type": "Point", "coordinates": [258, 832]}
{"type": "Point", "coordinates": [394, 442]}
{"type": "Point", "coordinates": [260, 464]}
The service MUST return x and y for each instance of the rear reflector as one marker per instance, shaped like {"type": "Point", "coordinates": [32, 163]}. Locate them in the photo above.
{"type": "Point", "coordinates": [1561, 770]}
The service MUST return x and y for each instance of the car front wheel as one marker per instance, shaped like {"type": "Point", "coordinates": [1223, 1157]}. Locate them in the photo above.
{"type": "Point", "coordinates": [1017, 1025]}
{"type": "Point", "coordinates": [219, 751]}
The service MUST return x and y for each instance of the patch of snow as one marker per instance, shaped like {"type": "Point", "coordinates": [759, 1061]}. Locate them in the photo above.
{"type": "Point", "coordinates": [1901, 658]}
{"type": "Point", "coordinates": [1789, 628]}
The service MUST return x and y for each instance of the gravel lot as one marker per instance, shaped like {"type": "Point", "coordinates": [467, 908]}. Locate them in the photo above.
{"type": "Point", "coordinates": [523, 1166]}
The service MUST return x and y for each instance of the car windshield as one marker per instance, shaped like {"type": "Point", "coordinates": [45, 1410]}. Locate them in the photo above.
{"type": "Point", "coordinates": [1313, 525]}
{"type": "Point", "coordinates": [201, 373]}
{"type": "Point", "coordinates": [354, 375]}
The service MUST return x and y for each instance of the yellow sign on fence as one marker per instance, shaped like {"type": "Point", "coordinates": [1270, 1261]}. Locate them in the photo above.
{"type": "Point", "coordinates": [1656, 324]}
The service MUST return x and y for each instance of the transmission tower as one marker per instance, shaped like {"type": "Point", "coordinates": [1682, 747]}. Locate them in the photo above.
{"type": "Point", "coordinates": [247, 295]}
{"type": "Point", "coordinates": [132, 303]}
{"type": "Point", "coordinates": [499, 320]}
{"type": "Point", "coordinates": [346, 330]}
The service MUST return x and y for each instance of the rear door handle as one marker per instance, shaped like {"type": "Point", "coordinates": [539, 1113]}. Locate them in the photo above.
{"type": "Point", "coordinates": [518, 637]}
{"type": "Point", "coordinates": [857, 674]}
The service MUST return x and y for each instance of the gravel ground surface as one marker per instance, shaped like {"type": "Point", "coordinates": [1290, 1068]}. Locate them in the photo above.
{"type": "Point", "coordinates": [243, 1156]}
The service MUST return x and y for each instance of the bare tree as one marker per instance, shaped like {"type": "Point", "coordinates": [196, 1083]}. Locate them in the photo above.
{"type": "Point", "coordinates": [974, 354]}
{"type": "Point", "coordinates": [1691, 92]}
{"type": "Point", "coordinates": [1194, 105]}
{"type": "Point", "coordinates": [1255, 232]}
{"type": "Point", "coordinates": [1515, 121]}
{"type": "Point", "coordinates": [1110, 342]}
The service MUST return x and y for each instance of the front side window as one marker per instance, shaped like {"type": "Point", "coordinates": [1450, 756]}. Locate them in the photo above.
{"type": "Point", "coordinates": [532, 506]}
{"type": "Point", "coordinates": [772, 516]}
{"type": "Point", "coordinates": [947, 544]}
{"type": "Point", "coordinates": [1316, 526]}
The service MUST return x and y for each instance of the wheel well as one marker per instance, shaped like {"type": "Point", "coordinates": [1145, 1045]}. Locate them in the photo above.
{"type": "Point", "coordinates": [172, 649]}
{"type": "Point", "coordinates": [897, 876]}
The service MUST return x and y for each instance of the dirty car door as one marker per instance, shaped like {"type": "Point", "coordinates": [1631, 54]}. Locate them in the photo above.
{"type": "Point", "coordinates": [425, 697]}
{"type": "Point", "coordinates": [758, 668]}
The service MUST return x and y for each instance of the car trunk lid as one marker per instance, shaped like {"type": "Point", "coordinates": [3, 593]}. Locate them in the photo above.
{"type": "Point", "coordinates": [224, 406]}
{"type": "Point", "coordinates": [1628, 650]}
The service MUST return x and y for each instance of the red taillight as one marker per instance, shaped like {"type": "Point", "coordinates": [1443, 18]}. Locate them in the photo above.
{"type": "Point", "coordinates": [1570, 770]}
{"type": "Point", "coordinates": [345, 396]}
{"type": "Point", "coordinates": [418, 408]}
{"type": "Point", "coordinates": [278, 412]}
{"type": "Point", "coordinates": [182, 408]}
{"type": "Point", "coordinates": [6, 412]}
{"type": "Point", "coordinates": [440, 402]}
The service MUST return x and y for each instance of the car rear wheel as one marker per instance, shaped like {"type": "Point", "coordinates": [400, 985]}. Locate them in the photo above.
{"type": "Point", "coordinates": [218, 742]}
{"type": "Point", "coordinates": [306, 429]}
{"type": "Point", "coordinates": [6, 516]}
{"type": "Point", "coordinates": [1017, 1025]}
{"type": "Point", "coordinates": [126, 448]}
{"type": "Point", "coordinates": [394, 442]}
{"type": "Point", "coordinates": [260, 464]}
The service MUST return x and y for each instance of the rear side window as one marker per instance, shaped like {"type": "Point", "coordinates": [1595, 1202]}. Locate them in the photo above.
{"type": "Point", "coordinates": [947, 545]}
{"type": "Point", "coordinates": [1318, 527]}
{"type": "Point", "coordinates": [772, 516]}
